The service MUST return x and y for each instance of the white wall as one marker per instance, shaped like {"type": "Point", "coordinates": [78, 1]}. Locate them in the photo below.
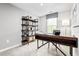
{"type": "Point", "coordinates": [64, 16]}
{"type": "Point", "coordinates": [10, 25]}
{"type": "Point", "coordinates": [42, 24]}
{"type": "Point", "coordinates": [75, 22]}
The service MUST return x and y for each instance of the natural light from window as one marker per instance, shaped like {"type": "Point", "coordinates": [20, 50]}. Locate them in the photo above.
{"type": "Point", "coordinates": [51, 25]}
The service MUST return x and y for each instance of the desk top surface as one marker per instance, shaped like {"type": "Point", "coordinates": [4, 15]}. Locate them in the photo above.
{"type": "Point", "coordinates": [73, 41]}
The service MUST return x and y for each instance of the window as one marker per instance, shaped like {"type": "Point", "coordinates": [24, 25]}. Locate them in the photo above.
{"type": "Point", "coordinates": [51, 25]}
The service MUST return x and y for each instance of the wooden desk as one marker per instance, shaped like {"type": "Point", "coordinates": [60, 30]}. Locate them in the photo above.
{"type": "Point", "coordinates": [68, 41]}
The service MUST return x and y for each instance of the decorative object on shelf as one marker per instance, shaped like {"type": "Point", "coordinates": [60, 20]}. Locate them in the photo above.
{"type": "Point", "coordinates": [29, 28]}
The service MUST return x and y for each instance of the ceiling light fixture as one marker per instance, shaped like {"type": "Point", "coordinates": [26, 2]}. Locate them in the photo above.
{"type": "Point", "coordinates": [41, 4]}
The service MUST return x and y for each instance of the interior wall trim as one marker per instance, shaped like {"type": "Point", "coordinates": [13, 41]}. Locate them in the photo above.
{"type": "Point", "coordinates": [76, 26]}
{"type": "Point", "coordinates": [14, 46]}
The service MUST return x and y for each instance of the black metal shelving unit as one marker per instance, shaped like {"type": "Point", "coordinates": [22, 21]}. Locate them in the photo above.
{"type": "Point", "coordinates": [29, 28]}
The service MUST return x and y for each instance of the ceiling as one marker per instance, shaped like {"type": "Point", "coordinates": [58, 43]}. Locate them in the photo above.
{"type": "Point", "coordinates": [39, 9]}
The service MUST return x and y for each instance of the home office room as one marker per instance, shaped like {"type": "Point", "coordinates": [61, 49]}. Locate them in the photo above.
{"type": "Point", "coordinates": [39, 29]}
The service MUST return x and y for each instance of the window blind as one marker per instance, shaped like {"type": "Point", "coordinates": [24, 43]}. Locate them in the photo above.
{"type": "Point", "coordinates": [52, 15]}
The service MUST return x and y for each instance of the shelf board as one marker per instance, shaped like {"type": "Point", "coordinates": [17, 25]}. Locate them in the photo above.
{"type": "Point", "coordinates": [25, 19]}
{"type": "Point", "coordinates": [29, 20]}
{"type": "Point", "coordinates": [27, 42]}
{"type": "Point", "coordinates": [31, 35]}
{"type": "Point", "coordinates": [34, 21]}
{"type": "Point", "coordinates": [24, 40]}
{"type": "Point", "coordinates": [28, 36]}
{"type": "Point", "coordinates": [29, 25]}
{"type": "Point", "coordinates": [29, 30]}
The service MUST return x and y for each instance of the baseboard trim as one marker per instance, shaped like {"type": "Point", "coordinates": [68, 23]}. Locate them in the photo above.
{"type": "Point", "coordinates": [2, 50]}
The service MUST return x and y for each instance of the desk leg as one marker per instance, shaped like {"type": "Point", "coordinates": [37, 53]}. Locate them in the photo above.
{"type": "Point", "coordinates": [37, 44]}
{"type": "Point", "coordinates": [56, 47]}
{"type": "Point", "coordinates": [71, 51]}
{"type": "Point", "coordinates": [42, 41]}
{"type": "Point", "coordinates": [48, 45]}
